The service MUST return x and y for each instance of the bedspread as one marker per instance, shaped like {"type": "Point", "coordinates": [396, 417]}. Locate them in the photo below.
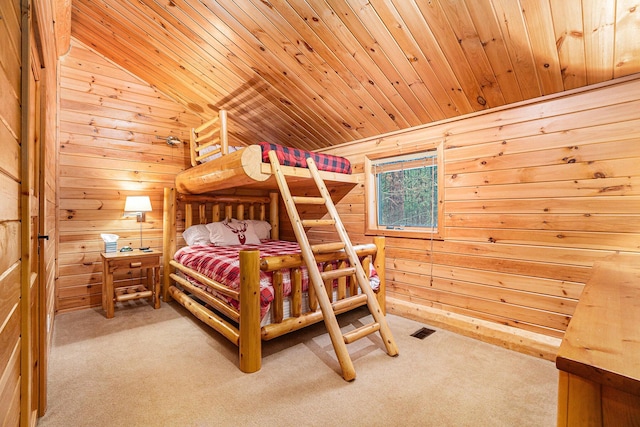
{"type": "Point", "coordinates": [298, 158]}
{"type": "Point", "coordinates": [221, 263]}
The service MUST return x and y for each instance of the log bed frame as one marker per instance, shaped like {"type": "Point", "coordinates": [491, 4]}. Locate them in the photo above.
{"type": "Point", "coordinates": [211, 186]}
{"type": "Point", "coordinates": [220, 169]}
{"type": "Point", "coordinates": [243, 327]}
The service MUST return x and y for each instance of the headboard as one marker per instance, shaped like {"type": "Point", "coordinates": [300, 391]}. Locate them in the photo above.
{"type": "Point", "coordinates": [205, 208]}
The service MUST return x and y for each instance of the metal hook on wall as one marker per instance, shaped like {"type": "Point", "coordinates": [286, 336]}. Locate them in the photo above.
{"type": "Point", "coordinates": [171, 140]}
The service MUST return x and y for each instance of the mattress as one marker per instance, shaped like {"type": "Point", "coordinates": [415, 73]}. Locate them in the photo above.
{"type": "Point", "coordinates": [288, 156]}
{"type": "Point", "coordinates": [221, 263]}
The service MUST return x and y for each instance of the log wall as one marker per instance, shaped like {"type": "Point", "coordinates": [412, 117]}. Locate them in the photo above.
{"type": "Point", "coordinates": [110, 147]}
{"type": "Point", "coordinates": [534, 195]}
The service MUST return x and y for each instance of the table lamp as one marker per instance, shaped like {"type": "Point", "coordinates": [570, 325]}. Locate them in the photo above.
{"type": "Point", "coordinates": [138, 205]}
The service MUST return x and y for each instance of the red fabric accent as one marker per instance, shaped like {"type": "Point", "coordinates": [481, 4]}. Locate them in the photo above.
{"type": "Point", "coordinates": [298, 158]}
{"type": "Point", "coordinates": [221, 263]}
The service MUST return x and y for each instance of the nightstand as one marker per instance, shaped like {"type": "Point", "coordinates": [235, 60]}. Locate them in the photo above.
{"type": "Point", "coordinates": [123, 261]}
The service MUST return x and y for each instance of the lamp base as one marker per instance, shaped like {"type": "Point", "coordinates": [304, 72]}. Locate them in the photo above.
{"type": "Point", "coordinates": [146, 248]}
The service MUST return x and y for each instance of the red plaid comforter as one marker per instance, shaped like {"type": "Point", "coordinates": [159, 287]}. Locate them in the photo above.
{"type": "Point", "coordinates": [298, 158]}
{"type": "Point", "coordinates": [222, 264]}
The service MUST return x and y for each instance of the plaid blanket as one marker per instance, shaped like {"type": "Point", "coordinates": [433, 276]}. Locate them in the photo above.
{"type": "Point", "coordinates": [222, 264]}
{"type": "Point", "coordinates": [298, 158]}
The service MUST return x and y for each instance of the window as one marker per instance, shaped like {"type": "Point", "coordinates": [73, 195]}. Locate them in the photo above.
{"type": "Point", "coordinates": [404, 194]}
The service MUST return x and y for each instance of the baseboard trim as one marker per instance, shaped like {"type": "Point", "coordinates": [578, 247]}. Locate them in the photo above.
{"type": "Point", "coordinates": [508, 337]}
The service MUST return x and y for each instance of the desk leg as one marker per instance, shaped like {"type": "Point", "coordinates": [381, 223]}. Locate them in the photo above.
{"type": "Point", "coordinates": [156, 287]}
{"type": "Point", "coordinates": [108, 295]}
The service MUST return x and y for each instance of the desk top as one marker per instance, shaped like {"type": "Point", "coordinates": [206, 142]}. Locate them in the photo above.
{"type": "Point", "coordinates": [602, 341]}
{"type": "Point", "coordinates": [133, 253]}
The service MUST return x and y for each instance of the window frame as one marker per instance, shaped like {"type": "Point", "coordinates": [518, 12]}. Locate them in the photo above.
{"type": "Point", "coordinates": [371, 195]}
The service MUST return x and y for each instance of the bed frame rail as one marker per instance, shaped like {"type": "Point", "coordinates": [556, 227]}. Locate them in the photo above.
{"type": "Point", "coordinates": [242, 327]}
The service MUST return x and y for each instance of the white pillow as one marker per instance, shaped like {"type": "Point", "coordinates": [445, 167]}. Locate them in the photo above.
{"type": "Point", "coordinates": [261, 228]}
{"type": "Point", "coordinates": [227, 233]}
{"type": "Point", "coordinates": [197, 235]}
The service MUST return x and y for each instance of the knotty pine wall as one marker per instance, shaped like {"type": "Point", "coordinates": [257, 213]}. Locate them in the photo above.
{"type": "Point", "coordinates": [534, 194]}
{"type": "Point", "coordinates": [110, 122]}
{"type": "Point", "coordinates": [11, 139]}
{"type": "Point", "coordinates": [10, 289]}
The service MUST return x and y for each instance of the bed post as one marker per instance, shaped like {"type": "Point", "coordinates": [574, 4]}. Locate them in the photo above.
{"type": "Point", "coordinates": [273, 216]}
{"type": "Point", "coordinates": [379, 265]}
{"type": "Point", "coordinates": [168, 239]}
{"type": "Point", "coordinates": [250, 346]}
{"type": "Point", "coordinates": [224, 141]}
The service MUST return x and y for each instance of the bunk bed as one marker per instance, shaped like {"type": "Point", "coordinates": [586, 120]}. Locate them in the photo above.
{"type": "Point", "coordinates": [269, 295]}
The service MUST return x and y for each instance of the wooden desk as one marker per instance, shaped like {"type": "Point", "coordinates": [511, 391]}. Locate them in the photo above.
{"type": "Point", "coordinates": [599, 358]}
{"type": "Point", "coordinates": [122, 261]}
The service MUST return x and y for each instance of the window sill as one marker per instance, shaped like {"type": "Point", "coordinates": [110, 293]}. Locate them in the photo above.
{"type": "Point", "coordinates": [408, 233]}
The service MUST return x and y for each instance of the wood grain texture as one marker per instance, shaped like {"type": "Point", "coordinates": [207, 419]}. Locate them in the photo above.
{"type": "Point", "coordinates": [534, 195]}
{"type": "Point", "coordinates": [111, 146]}
{"type": "Point", "coordinates": [320, 73]}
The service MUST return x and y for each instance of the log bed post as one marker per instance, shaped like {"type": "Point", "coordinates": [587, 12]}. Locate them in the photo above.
{"type": "Point", "coordinates": [250, 346]}
{"type": "Point", "coordinates": [379, 265]}
{"type": "Point", "coordinates": [273, 216]}
{"type": "Point", "coordinates": [168, 239]}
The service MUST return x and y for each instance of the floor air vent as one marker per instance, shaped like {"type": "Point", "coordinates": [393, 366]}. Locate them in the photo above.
{"type": "Point", "coordinates": [422, 333]}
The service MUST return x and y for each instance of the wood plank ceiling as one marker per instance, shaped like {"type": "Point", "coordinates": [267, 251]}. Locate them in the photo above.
{"type": "Point", "coordinates": [315, 73]}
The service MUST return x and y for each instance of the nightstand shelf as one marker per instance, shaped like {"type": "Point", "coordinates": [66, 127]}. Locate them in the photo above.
{"type": "Point", "coordinates": [124, 261]}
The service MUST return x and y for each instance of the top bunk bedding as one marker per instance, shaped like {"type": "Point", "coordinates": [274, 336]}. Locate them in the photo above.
{"type": "Point", "coordinates": [216, 166]}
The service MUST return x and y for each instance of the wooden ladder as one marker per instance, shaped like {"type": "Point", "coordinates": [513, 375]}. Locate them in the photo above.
{"type": "Point", "coordinates": [317, 277]}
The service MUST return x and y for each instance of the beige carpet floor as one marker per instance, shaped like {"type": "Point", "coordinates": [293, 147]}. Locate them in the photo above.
{"type": "Point", "coordinates": [162, 367]}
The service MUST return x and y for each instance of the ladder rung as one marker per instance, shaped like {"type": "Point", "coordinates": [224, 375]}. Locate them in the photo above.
{"type": "Point", "coordinates": [340, 272]}
{"type": "Point", "coordinates": [323, 248]}
{"type": "Point", "coordinates": [317, 222]}
{"type": "Point", "coordinates": [304, 200]}
{"type": "Point", "coordinates": [206, 124]}
{"type": "Point", "coordinates": [350, 303]}
{"type": "Point", "coordinates": [361, 332]}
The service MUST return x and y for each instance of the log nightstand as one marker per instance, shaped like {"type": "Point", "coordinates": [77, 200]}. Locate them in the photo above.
{"type": "Point", "coordinates": [136, 259]}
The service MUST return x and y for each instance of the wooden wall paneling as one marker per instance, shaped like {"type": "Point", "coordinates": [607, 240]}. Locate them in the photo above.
{"type": "Point", "coordinates": [534, 195]}
{"type": "Point", "coordinates": [626, 54]}
{"type": "Point", "coordinates": [210, 66]}
{"type": "Point", "coordinates": [437, 102]}
{"type": "Point", "coordinates": [515, 36]}
{"type": "Point", "coordinates": [104, 26]}
{"type": "Point", "coordinates": [445, 46]}
{"type": "Point", "coordinates": [10, 266]}
{"type": "Point", "coordinates": [490, 36]}
{"type": "Point", "coordinates": [569, 36]}
{"type": "Point", "coordinates": [357, 112]}
{"type": "Point", "coordinates": [545, 54]}
{"type": "Point", "coordinates": [599, 19]}
{"type": "Point", "coordinates": [373, 35]}
{"type": "Point", "coordinates": [10, 54]}
{"type": "Point", "coordinates": [109, 149]}
{"type": "Point", "coordinates": [321, 44]}
{"type": "Point", "coordinates": [323, 72]}
{"type": "Point", "coordinates": [364, 49]}
{"type": "Point", "coordinates": [301, 84]}
{"type": "Point", "coordinates": [267, 66]}
{"type": "Point", "coordinates": [512, 155]}
{"type": "Point", "coordinates": [476, 59]}
{"type": "Point", "coordinates": [249, 98]}
{"type": "Point", "coordinates": [328, 27]}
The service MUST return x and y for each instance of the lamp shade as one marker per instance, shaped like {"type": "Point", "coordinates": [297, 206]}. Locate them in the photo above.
{"type": "Point", "coordinates": [137, 204]}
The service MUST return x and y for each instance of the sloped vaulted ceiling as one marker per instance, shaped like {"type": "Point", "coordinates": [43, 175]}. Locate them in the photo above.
{"type": "Point", "coordinates": [315, 73]}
